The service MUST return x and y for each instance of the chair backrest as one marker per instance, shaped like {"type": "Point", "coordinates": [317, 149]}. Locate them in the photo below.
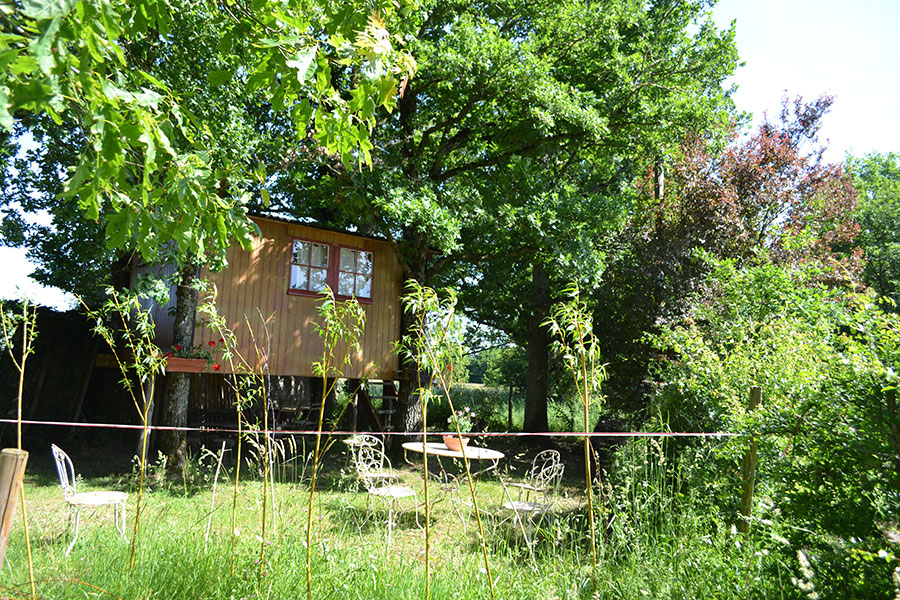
{"type": "Point", "coordinates": [65, 470]}
{"type": "Point", "coordinates": [365, 439]}
{"type": "Point", "coordinates": [371, 464]}
{"type": "Point", "coordinates": [546, 473]}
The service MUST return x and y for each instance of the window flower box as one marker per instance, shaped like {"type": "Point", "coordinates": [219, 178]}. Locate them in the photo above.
{"type": "Point", "coordinates": [185, 365]}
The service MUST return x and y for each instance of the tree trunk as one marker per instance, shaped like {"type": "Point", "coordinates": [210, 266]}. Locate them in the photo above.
{"type": "Point", "coordinates": [537, 377]}
{"type": "Point", "coordinates": [173, 444]}
{"type": "Point", "coordinates": [409, 409]}
{"type": "Point", "coordinates": [414, 261]}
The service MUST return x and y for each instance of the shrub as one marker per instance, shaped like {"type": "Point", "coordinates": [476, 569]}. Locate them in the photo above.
{"type": "Point", "coordinates": [828, 430]}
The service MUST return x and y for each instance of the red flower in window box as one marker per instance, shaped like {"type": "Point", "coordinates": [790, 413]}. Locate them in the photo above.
{"type": "Point", "coordinates": [191, 360]}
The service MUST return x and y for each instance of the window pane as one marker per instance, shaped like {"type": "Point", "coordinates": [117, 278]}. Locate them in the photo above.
{"type": "Point", "coordinates": [364, 263]}
{"type": "Point", "coordinates": [319, 256]}
{"type": "Point", "coordinates": [345, 284]}
{"type": "Point", "coordinates": [301, 253]}
{"type": "Point", "coordinates": [348, 260]}
{"type": "Point", "coordinates": [299, 277]}
{"type": "Point", "coordinates": [363, 286]}
{"type": "Point", "coordinates": [317, 280]}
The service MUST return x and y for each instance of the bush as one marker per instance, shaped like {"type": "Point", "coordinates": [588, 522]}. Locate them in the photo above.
{"type": "Point", "coordinates": [489, 403]}
{"type": "Point", "coordinates": [828, 428]}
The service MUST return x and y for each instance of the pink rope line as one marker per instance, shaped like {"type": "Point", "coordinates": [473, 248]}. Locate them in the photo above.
{"type": "Point", "coordinates": [403, 433]}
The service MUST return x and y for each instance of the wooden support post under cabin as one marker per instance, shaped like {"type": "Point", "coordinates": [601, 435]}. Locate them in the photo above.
{"type": "Point", "coordinates": [353, 385]}
{"type": "Point", "coordinates": [12, 472]}
{"type": "Point", "coordinates": [749, 471]}
{"type": "Point", "coordinates": [374, 422]}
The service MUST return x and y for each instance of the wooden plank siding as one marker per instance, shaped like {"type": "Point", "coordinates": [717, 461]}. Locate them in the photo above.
{"type": "Point", "coordinates": [163, 320]}
{"type": "Point", "coordinates": [253, 294]}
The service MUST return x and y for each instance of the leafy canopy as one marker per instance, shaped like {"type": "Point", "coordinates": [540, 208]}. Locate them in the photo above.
{"type": "Point", "coordinates": [147, 163]}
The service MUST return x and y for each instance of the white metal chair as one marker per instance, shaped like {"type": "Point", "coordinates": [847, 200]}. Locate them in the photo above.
{"type": "Point", "coordinates": [368, 469]}
{"type": "Point", "coordinates": [537, 493]}
{"type": "Point", "coordinates": [77, 501]}
{"type": "Point", "coordinates": [374, 470]}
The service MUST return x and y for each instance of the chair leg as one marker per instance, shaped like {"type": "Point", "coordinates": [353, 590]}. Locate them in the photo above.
{"type": "Point", "coordinates": [528, 536]}
{"type": "Point", "coordinates": [75, 538]}
{"type": "Point", "coordinates": [120, 509]}
{"type": "Point", "coordinates": [517, 518]}
{"type": "Point", "coordinates": [390, 519]}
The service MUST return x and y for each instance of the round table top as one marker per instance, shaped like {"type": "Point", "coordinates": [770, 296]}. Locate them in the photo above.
{"type": "Point", "coordinates": [439, 449]}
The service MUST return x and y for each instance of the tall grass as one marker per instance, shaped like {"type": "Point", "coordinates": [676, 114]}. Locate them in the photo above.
{"type": "Point", "coordinates": [139, 360]}
{"type": "Point", "coordinates": [658, 540]}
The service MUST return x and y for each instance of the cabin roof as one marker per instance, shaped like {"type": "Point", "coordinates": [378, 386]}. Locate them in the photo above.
{"type": "Point", "coordinates": [293, 221]}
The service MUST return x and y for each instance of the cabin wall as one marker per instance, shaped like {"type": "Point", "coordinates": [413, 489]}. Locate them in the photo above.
{"type": "Point", "coordinates": [253, 295]}
{"type": "Point", "coordinates": [163, 316]}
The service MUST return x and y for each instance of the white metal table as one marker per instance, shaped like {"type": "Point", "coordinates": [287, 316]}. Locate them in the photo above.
{"type": "Point", "coordinates": [449, 482]}
{"type": "Point", "coordinates": [439, 449]}
{"type": "Point", "coordinates": [471, 453]}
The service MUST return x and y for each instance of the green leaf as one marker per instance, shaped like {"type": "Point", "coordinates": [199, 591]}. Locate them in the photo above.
{"type": "Point", "coordinates": [74, 183]}
{"type": "Point", "coordinates": [42, 46]}
{"type": "Point", "coordinates": [6, 119]}
{"type": "Point", "coordinates": [25, 65]}
{"type": "Point", "coordinates": [217, 78]}
{"type": "Point", "coordinates": [118, 227]}
{"type": "Point", "coordinates": [113, 92]}
{"type": "Point", "coordinates": [47, 9]}
{"type": "Point", "coordinates": [302, 61]}
{"type": "Point", "coordinates": [7, 57]}
{"type": "Point", "coordinates": [150, 156]}
{"type": "Point", "coordinates": [302, 114]}
{"type": "Point", "coordinates": [221, 228]}
{"type": "Point", "coordinates": [147, 97]}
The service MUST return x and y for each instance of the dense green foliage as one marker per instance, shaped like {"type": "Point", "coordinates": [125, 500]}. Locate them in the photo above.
{"type": "Point", "coordinates": [877, 178]}
{"type": "Point", "coordinates": [158, 168]}
{"type": "Point", "coordinates": [828, 426]}
{"type": "Point", "coordinates": [768, 195]}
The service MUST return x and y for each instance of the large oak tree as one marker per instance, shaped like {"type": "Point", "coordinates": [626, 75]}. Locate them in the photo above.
{"type": "Point", "coordinates": [508, 150]}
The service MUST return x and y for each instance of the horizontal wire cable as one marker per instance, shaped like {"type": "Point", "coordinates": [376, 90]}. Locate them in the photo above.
{"type": "Point", "coordinates": [402, 433]}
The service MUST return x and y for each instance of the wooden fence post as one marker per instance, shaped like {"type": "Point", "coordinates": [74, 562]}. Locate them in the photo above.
{"type": "Point", "coordinates": [749, 471]}
{"type": "Point", "coordinates": [12, 472]}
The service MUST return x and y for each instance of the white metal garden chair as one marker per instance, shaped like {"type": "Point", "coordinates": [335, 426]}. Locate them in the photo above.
{"type": "Point", "coordinates": [374, 470]}
{"type": "Point", "coordinates": [537, 494]}
{"type": "Point", "coordinates": [77, 501]}
{"type": "Point", "coordinates": [367, 469]}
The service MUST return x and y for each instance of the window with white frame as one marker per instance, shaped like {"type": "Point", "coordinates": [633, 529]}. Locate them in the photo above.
{"type": "Point", "coordinates": [348, 271]}
{"type": "Point", "coordinates": [355, 273]}
{"type": "Point", "coordinates": [309, 266]}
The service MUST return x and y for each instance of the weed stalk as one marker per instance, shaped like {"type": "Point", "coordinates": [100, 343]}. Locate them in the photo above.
{"type": "Point", "coordinates": [570, 323]}
{"type": "Point", "coordinates": [342, 324]}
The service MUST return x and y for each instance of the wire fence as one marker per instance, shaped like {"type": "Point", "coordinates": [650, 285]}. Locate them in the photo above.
{"type": "Point", "coordinates": [495, 434]}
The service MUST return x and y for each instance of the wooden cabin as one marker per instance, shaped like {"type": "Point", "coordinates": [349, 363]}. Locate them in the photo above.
{"type": "Point", "coordinates": [274, 288]}
{"type": "Point", "coordinates": [280, 279]}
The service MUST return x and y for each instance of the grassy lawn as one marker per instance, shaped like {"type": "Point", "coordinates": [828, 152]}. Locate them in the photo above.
{"type": "Point", "coordinates": [679, 557]}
